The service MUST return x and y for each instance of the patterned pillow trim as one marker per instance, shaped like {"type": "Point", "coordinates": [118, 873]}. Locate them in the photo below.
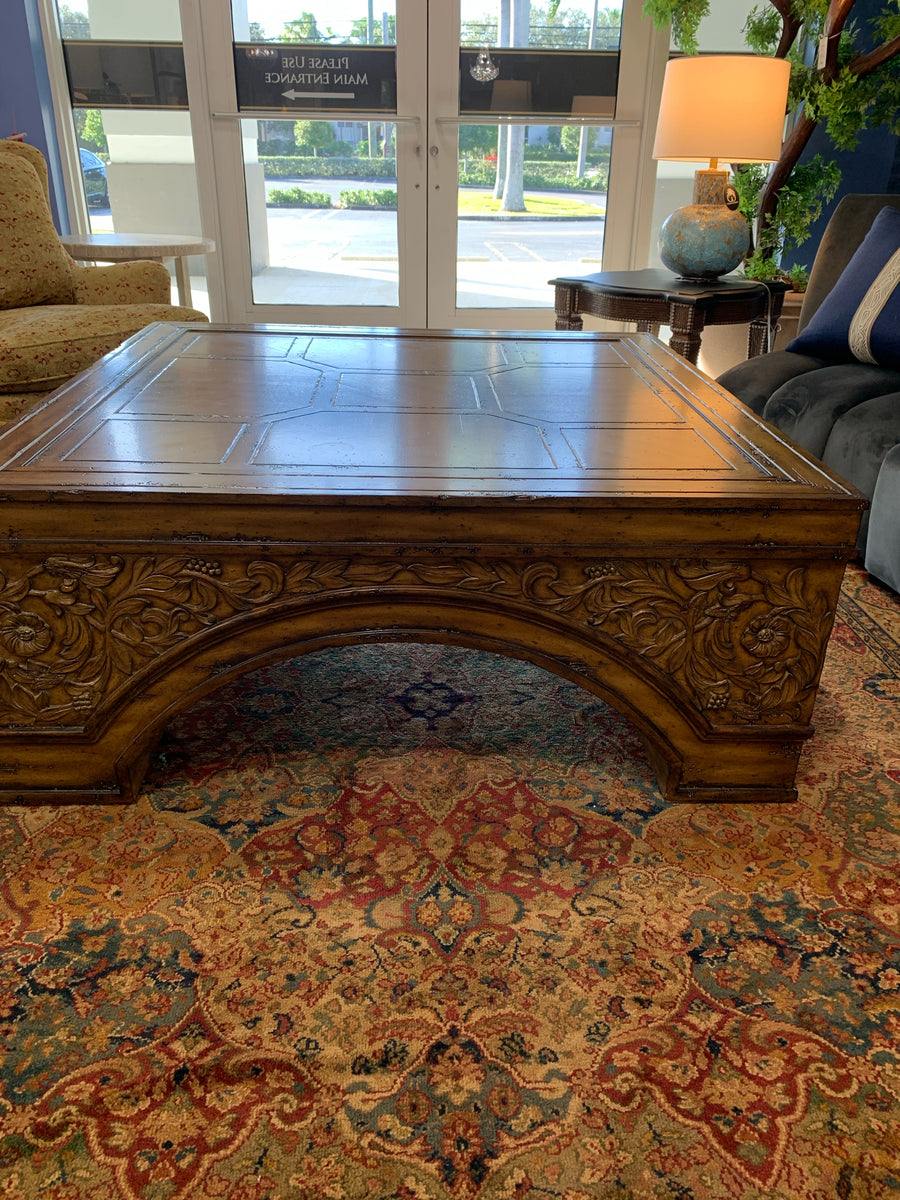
{"type": "Point", "coordinates": [871, 308]}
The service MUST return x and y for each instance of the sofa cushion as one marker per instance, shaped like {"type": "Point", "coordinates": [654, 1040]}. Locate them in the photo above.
{"type": "Point", "coordinates": [807, 407]}
{"type": "Point", "coordinates": [34, 267]}
{"type": "Point", "coordinates": [755, 380]}
{"type": "Point", "coordinates": [860, 317]}
{"type": "Point", "coordinates": [42, 347]}
{"type": "Point", "coordinates": [858, 443]}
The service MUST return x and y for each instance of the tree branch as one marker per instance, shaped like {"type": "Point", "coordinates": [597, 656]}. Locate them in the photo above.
{"type": "Point", "coordinates": [836, 17]}
{"type": "Point", "coordinates": [865, 64]}
{"type": "Point", "coordinates": [835, 20]}
{"type": "Point", "coordinates": [790, 154]}
{"type": "Point", "coordinates": [790, 27]}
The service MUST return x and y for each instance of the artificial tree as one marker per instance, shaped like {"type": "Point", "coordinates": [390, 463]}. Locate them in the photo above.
{"type": "Point", "coordinates": [845, 73]}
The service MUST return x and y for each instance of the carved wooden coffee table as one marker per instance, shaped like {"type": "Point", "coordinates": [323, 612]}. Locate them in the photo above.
{"type": "Point", "coordinates": [207, 499]}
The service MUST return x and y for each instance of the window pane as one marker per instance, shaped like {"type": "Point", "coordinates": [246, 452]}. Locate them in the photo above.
{"type": "Point", "coordinates": [504, 259]}
{"type": "Point", "coordinates": [327, 230]}
{"type": "Point", "coordinates": [125, 75]}
{"type": "Point", "coordinates": [580, 25]}
{"type": "Point", "coordinates": [551, 81]}
{"type": "Point", "coordinates": [534, 207]}
{"type": "Point", "coordinates": [123, 22]}
{"type": "Point", "coordinates": [329, 22]}
{"type": "Point", "coordinates": [137, 161]}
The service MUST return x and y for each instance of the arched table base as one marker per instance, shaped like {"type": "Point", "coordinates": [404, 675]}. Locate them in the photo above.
{"type": "Point", "coordinates": [212, 623]}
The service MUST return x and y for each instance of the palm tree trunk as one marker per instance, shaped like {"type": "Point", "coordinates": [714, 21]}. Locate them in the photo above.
{"type": "Point", "coordinates": [514, 188]}
{"type": "Point", "coordinates": [503, 21]}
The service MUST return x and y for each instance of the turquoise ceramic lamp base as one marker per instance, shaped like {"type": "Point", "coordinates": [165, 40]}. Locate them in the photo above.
{"type": "Point", "coordinates": [708, 238]}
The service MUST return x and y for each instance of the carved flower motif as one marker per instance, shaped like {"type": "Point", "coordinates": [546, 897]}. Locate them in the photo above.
{"type": "Point", "coordinates": [766, 637]}
{"type": "Point", "coordinates": [24, 634]}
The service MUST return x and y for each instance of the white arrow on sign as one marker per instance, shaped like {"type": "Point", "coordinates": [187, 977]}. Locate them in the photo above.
{"type": "Point", "coordinates": [292, 95]}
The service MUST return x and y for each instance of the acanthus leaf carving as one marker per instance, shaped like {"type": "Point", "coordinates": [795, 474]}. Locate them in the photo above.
{"type": "Point", "coordinates": [743, 646]}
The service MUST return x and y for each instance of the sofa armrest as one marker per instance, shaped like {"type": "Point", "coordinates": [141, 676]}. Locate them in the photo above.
{"type": "Point", "coordinates": [122, 283]}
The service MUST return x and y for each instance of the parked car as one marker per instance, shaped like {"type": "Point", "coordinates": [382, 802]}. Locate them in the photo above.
{"type": "Point", "coordinates": [93, 169]}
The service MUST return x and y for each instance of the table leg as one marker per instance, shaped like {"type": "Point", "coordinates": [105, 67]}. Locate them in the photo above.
{"type": "Point", "coordinates": [759, 338]}
{"type": "Point", "coordinates": [183, 279]}
{"type": "Point", "coordinates": [686, 324]}
{"type": "Point", "coordinates": [564, 305]}
{"type": "Point", "coordinates": [648, 327]}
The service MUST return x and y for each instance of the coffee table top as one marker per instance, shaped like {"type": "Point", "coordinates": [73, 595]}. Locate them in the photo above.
{"type": "Point", "coordinates": [229, 411]}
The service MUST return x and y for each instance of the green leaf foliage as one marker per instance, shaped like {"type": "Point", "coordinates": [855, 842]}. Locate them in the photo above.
{"type": "Point", "coordinates": [683, 15]}
{"type": "Point", "coordinates": [811, 185]}
{"type": "Point", "coordinates": [762, 31]}
{"type": "Point", "coordinates": [761, 266]}
{"type": "Point", "coordinates": [748, 180]}
{"type": "Point", "coordinates": [799, 277]}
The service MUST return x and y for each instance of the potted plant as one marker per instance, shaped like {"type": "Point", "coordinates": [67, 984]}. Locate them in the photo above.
{"type": "Point", "coordinates": [839, 76]}
{"type": "Point", "coordinates": [797, 205]}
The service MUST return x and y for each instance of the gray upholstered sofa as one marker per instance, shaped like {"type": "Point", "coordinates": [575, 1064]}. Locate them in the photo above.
{"type": "Point", "coordinates": [844, 411]}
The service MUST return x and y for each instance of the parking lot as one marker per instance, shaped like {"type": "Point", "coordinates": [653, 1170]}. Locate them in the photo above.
{"type": "Point", "coordinates": [349, 256]}
{"type": "Point", "coordinates": [502, 260]}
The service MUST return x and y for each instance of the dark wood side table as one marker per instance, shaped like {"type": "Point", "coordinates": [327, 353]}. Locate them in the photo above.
{"type": "Point", "coordinates": [655, 297]}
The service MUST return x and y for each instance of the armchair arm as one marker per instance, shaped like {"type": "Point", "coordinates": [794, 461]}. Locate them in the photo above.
{"type": "Point", "coordinates": [122, 283]}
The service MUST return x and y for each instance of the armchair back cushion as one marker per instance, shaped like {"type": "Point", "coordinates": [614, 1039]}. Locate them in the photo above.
{"type": "Point", "coordinates": [34, 267]}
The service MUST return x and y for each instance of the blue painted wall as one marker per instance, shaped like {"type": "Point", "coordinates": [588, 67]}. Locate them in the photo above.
{"type": "Point", "coordinates": [873, 167]}
{"type": "Point", "coordinates": [25, 102]}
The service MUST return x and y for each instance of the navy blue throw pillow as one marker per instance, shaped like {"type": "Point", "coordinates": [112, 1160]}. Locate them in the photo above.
{"type": "Point", "coordinates": [860, 316]}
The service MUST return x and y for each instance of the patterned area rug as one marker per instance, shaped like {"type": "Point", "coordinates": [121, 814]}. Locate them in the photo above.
{"type": "Point", "coordinates": [413, 922]}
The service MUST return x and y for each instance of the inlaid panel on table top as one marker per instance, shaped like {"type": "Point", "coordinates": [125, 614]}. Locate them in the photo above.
{"type": "Point", "coordinates": [275, 409]}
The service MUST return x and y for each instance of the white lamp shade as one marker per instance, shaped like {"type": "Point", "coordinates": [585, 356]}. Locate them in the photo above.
{"type": "Point", "coordinates": [727, 106]}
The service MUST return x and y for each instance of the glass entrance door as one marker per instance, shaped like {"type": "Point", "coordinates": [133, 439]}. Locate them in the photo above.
{"type": "Point", "coordinates": [314, 129]}
{"type": "Point", "coordinates": [424, 164]}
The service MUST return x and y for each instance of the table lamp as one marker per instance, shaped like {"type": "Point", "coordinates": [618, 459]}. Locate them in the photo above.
{"type": "Point", "coordinates": [717, 106]}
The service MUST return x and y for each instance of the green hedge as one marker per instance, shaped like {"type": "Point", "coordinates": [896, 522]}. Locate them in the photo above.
{"type": "Point", "coordinates": [296, 198]}
{"type": "Point", "coordinates": [368, 198]}
{"type": "Point", "coordinates": [539, 176]}
{"type": "Point", "coordinates": [352, 198]}
{"type": "Point", "coordinates": [290, 166]}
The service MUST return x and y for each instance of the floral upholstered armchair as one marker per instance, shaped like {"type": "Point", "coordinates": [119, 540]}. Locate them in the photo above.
{"type": "Point", "coordinates": [57, 317]}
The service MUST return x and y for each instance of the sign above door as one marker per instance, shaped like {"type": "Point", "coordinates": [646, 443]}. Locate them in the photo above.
{"type": "Point", "coordinates": [297, 76]}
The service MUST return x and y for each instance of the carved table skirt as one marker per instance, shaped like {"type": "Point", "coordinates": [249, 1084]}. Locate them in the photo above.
{"type": "Point", "coordinates": [208, 499]}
